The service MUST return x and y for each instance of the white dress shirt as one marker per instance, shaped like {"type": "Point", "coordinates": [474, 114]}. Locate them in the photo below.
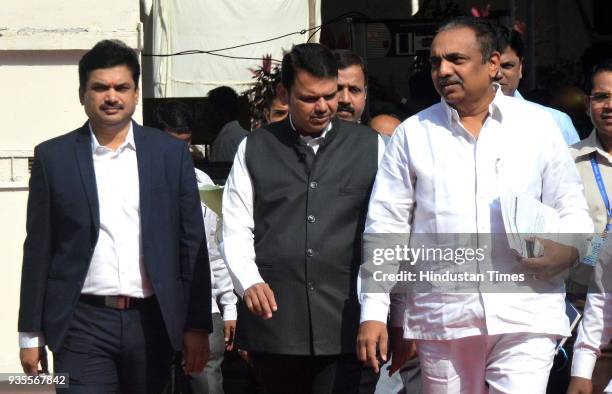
{"type": "Point", "coordinates": [436, 177]}
{"type": "Point", "coordinates": [594, 332]}
{"type": "Point", "coordinates": [223, 297]}
{"type": "Point", "coordinates": [117, 265]}
{"type": "Point", "coordinates": [238, 222]}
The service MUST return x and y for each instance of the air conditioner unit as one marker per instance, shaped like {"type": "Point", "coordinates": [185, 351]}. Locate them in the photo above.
{"type": "Point", "coordinates": [372, 38]}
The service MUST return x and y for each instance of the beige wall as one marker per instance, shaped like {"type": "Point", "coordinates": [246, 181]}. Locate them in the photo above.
{"type": "Point", "coordinates": [40, 45]}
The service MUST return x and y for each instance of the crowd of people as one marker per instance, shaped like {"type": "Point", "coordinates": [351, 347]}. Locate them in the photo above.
{"type": "Point", "coordinates": [137, 286]}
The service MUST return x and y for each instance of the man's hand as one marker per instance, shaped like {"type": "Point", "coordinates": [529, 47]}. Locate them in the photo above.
{"type": "Point", "coordinates": [229, 331]}
{"type": "Point", "coordinates": [31, 357]}
{"type": "Point", "coordinates": [556, 259]}
{"type": "Point", "coordinates": [259, 298]}
{"type": "Point", "coordinates": [245, 356]}
{"type": "Point", "coordinates": [372, 336]}
{"type": "Point", "coordinates": [402, 349]}
{"type": "Point", "coordinates": [580, 386]}
{"type": "Point", "coordinates": [195, 350]}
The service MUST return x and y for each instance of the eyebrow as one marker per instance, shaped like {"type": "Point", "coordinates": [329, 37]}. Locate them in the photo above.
{"type": "Point", "coordinates": [451, 55]}
{"type": "Point", "coordinates": [97, 83]}
{"type": "Point", "coordinates": [317, 96]}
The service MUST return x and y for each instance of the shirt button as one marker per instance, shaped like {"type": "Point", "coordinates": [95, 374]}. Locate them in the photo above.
{"type": "Point", "coordinates": [309, 252]}
{"type": "Point", "coordinates": [310, 286]}
{"type": "Point", "coordinates": [314, 185]}
{"type": "Point", "coordinates": [311, 219]}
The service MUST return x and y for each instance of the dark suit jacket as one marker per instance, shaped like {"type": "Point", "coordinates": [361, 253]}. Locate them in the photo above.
{"type": "Point", "coordinates": [63, 223]}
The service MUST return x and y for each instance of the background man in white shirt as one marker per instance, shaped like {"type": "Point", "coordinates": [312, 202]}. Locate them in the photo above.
{"type": "Point", "coordinates": [176, 118]}
{"type": "Point", "coordinates": [594, 161]}
{"type": "Point", "coordinates": [511, 73]}
{"type": "Point", "coordinates": [115, 268]}
{"type": "Point", "coordinates": [443, 172]}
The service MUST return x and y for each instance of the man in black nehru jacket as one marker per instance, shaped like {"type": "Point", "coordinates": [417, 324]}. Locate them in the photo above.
{"type": "Point", "coordinates": [293, 212]}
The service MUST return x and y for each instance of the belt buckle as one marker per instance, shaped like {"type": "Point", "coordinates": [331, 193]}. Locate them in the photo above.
{"type": "Point", "coordinates": [117, 302]}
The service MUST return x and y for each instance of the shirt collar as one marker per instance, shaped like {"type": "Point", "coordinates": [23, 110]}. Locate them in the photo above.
{"type": "Point", "coordinates": [129, 139]}
{"type": "Point", "coordinates": [518, 95]}
{"type": "Point", "coordinates": [495, 107]}
{"type": "Point", "coordinates": [307, 138]}
{"type": "Point", "coordinates": [592, 144]}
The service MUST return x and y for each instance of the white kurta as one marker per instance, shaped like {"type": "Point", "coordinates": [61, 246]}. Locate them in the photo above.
{"type": "Point", "coordinates": [435, 177]}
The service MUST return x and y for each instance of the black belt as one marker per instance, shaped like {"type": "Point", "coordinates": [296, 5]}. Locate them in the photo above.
{"type": "Point", "coordinates": [115, 302]}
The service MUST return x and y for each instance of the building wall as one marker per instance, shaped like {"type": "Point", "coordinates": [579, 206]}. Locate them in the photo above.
{"type": "Point", "coordinates": [40, 45]}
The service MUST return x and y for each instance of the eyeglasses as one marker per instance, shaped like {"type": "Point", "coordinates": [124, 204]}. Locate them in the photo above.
{"type": "Point", "coordinates": [600, 98]}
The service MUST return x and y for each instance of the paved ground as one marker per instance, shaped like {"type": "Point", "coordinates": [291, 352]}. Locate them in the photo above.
{"type": "Point", "coordinates": [6, 388]}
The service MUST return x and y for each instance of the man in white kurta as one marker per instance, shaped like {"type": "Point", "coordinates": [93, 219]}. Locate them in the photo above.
{"type": "Point", "coordinates": [441, 173]}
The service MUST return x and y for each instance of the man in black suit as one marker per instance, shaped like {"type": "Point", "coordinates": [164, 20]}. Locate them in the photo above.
{"type": "Point", "coordinates": [115, 268]}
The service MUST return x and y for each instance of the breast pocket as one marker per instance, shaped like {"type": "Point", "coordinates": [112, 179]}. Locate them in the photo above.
{"type": "Point", "coordinates": [519, 177]}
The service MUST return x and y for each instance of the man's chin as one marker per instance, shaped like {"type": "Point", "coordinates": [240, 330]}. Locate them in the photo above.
{"type": "Point", "coordinates": [316, 127]}
{"type": "Point", "coordinates": [345, 116]}
{"type": "Point", "coordinates": [452, 99]}
{"type": "Point", "coordinates": [112, 121]}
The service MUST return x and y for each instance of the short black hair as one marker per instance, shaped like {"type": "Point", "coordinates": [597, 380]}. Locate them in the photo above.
{"type": "Point", "coordinates": [107, 54]}
{"type": "Point", "coordinates": [603, 66]}
{"type": "Point", "coordinates": [486, 34]}
{"type": "Point", "coordinates": [346, 58]}
{"type": "Point", "coordinates": [315, 59]}
{"type": "Point", "coordinates": [268, 97]}
{"type": "Point", "coordinates": [510, 38]}
{"type": "Point", "coordinates": [174, 116]}
{"type": "Point", "coordinates": [225, 103]}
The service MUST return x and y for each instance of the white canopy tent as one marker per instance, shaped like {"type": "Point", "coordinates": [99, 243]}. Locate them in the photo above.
{"type": "Point", "coordinates": [182, 25]}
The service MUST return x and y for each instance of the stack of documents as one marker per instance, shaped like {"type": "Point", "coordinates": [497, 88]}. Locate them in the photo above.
{"type": "Point", "coordinates": [526, 218]}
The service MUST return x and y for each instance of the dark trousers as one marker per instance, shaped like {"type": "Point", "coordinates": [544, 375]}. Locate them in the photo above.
{"type": "Point", "coordinates": [115, 351]}
{"type": "Point", "coordinates": [342, 374]}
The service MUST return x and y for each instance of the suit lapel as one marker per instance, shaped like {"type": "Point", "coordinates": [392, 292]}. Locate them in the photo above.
{"type": "Point", "coordinates": [143, 156]}
{"type": "Point", "coordinates": [88, 176]}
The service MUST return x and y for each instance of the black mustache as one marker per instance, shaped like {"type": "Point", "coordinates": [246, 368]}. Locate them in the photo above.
{"type": "Point", "coordinates": [346, 108]}
{"type": "Point", "coordinates": [449, 81]}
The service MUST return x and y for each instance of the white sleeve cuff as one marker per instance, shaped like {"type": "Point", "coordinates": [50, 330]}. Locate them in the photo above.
{"type": "Point", "coordinates": [31, 339]}
{"type": "Point", "coordinates": [373, 309]}
{"type": "Point", "coordinates": [230, 312]}
{"type": "Point", "coordinates": [246, 281]}
{"type": "Point", "coordinates": [583, 363]}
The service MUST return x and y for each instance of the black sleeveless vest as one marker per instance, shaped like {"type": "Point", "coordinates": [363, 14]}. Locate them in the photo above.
{"type": "Point", "coordinates": [309, 214]}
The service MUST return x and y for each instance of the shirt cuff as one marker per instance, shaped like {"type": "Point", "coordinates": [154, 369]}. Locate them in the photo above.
{"type": "Point", "coordinates": [230, 312]}
{"type": "Point", "coordinates": [583, 363]}
{"type": "Point", "coordinates": [248, 280]}
{"type": "Point", "coordinates": [372, 309]}
{"type": "Point", "coordinates": [31, 339]}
